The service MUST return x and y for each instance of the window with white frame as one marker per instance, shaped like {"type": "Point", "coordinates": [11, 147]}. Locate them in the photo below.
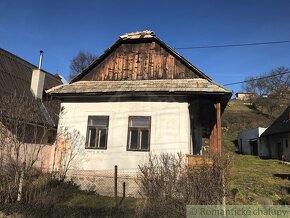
{"type": "Point", "coordinates": [97, 133]}
{"type": "Point", "coordinates": [139, 133]}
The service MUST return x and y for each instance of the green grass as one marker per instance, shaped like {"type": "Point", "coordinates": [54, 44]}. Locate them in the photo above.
{"type": "Point", "coordinates": [251, 177]}
{"type": "Point", "coordinates": [254, 178]}
{"type": "Point", "coordinates": [237, 106]}
{"type": "Point", "coordinates": [87, 200]}
{"type": "Point", "coordinates": [51, 198]}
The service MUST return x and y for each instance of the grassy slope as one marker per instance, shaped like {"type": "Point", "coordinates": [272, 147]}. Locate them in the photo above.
{"type": "Point", "coordinates": [251, 178]}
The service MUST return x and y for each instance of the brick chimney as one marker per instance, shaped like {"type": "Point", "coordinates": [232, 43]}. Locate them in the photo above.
{"type": "Point", "coordinates": [37, 80]}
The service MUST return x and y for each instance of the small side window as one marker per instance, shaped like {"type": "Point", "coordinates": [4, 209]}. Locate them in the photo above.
{"type": "Point", "coordinates": [97, 133]}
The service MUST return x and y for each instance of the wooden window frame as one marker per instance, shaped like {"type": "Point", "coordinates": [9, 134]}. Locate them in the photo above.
{"type": "Point", "coordinates": [139, 129]}
{"type": "Point", "coordinates": [97, 130]}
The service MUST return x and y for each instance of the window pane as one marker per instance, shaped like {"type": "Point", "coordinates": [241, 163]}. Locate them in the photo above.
{"type": "Point", "coordinates": [102, 138]}
{"type": "Point", "coordinates": [92, 138]}
{"type": "Point", "coordinates": [140, 122]}
{"type": "Point", "coordinates": [133, 143]}
{"type": "Point", "coordinates": [98, 121]}
{"type": "Point", "coordinates": [144, 139]}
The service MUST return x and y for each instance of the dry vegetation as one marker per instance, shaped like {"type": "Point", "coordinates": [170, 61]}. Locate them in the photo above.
{"type": "Point", "coordinates": [25, 129]}
{"type": "Point", "coordinates": [270, 91]}
{"type": "Point", "coordinates": [23, 135]}
{"type": "Point", "coordinates": [168, 184]}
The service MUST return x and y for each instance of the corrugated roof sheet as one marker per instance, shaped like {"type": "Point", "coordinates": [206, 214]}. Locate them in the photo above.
{"type": "Point", "coordinates": [174, 85]}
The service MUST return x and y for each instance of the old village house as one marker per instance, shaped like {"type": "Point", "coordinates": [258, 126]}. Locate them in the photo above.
{"type": "Point", "coordinates": [141, 96]}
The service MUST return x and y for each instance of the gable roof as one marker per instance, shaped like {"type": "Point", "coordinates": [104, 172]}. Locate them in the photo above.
{"type": "Point", "coordinates": [16, 74]}
{"type": "Point", "coordinates": [144, 36]}
{"type": "Point", "coordinates": [198, 84]}
{"type": "Point", "coordinates": [280, 125]}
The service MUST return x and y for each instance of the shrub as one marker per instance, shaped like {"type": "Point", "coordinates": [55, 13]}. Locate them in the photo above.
{"type": "Point", "coordinates": [168, 184]}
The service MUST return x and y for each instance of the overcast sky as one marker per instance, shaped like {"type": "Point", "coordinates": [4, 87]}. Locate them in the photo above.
{"type": "Point", "coordinates": [62, 28]}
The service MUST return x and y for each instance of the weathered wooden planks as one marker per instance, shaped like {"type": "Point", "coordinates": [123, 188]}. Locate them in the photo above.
{"type": "Point", "coordinates": [139, 61]}
{"type": "Point", "coordinates": [215, 137]}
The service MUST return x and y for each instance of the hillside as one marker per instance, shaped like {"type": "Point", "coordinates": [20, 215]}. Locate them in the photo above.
{"type": "Point", "coordinates": [253, 180]}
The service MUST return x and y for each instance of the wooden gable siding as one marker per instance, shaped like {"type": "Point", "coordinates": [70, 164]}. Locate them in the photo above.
{"type": "Point", "coordinates": [139, 61]}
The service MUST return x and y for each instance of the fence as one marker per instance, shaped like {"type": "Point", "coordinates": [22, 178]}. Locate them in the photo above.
{"type": "Point", "coordinates": [111, 183]}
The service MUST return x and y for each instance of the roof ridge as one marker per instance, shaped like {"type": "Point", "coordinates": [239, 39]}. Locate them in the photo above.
{"type": "Point", "coordinates": [141, 80]}
{"type": "Point", "coordinates": [14, 57]}
{"type": "Point", "coordinates": [147, 33]}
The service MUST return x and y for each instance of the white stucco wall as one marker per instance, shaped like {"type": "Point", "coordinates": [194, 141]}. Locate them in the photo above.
{"type": "Point", "coordinates": [170, 131]}
{"type": "Point", "coordinates": [251, 134]}
{"type": "Point", "coordinates": [263, 148]}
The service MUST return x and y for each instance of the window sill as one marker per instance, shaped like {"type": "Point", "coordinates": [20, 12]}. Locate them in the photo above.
{"type": "Point", "coordinates": [138, 150]}
{"type": "Point", "coordinates": [96, 148]}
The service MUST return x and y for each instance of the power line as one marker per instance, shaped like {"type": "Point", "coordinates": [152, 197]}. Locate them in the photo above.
{"type": "Point", "coordinates": [232, 45]}
{"type": "Point", "coordinates": [249, 80]}
{"type": "Point", "coordinates": [216, 46]}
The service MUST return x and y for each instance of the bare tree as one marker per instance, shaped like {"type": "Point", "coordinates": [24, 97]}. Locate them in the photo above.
{"type": "Point", "coordinates": [24, 134]}
{"type": "Point", "coordinates": [68, 148]}
{"type": "Point", "coordinates": [270, 90]}
{"type": "Point", "coordinates": [27, 141]}
{"type": "Point", "coordinates": [80, 62]}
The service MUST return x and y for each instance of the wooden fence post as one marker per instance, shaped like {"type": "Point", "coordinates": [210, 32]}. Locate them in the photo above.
{"type": "Point", "coordinates": [124, 190]}
{"type": "Point", "coordinates": [116, 185]}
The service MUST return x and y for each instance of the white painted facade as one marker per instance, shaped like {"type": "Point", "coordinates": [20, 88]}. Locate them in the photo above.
{"type": "Point", "coordinates": [253, 135]}
{"type": "Point", "coordinates": [170, 131]}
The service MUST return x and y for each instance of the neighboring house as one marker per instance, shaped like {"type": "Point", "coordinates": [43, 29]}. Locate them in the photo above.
{"type": "Point", "coordinates": [277, 137]}
{"type": "Point", "coordinates": [141, 96]}
{"type": "Point", "coordinates": [249, 142]}
{"type": "Point", "coordinates": [244, 96]}
{"type": "Point", "coordinates": [23, 83]}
